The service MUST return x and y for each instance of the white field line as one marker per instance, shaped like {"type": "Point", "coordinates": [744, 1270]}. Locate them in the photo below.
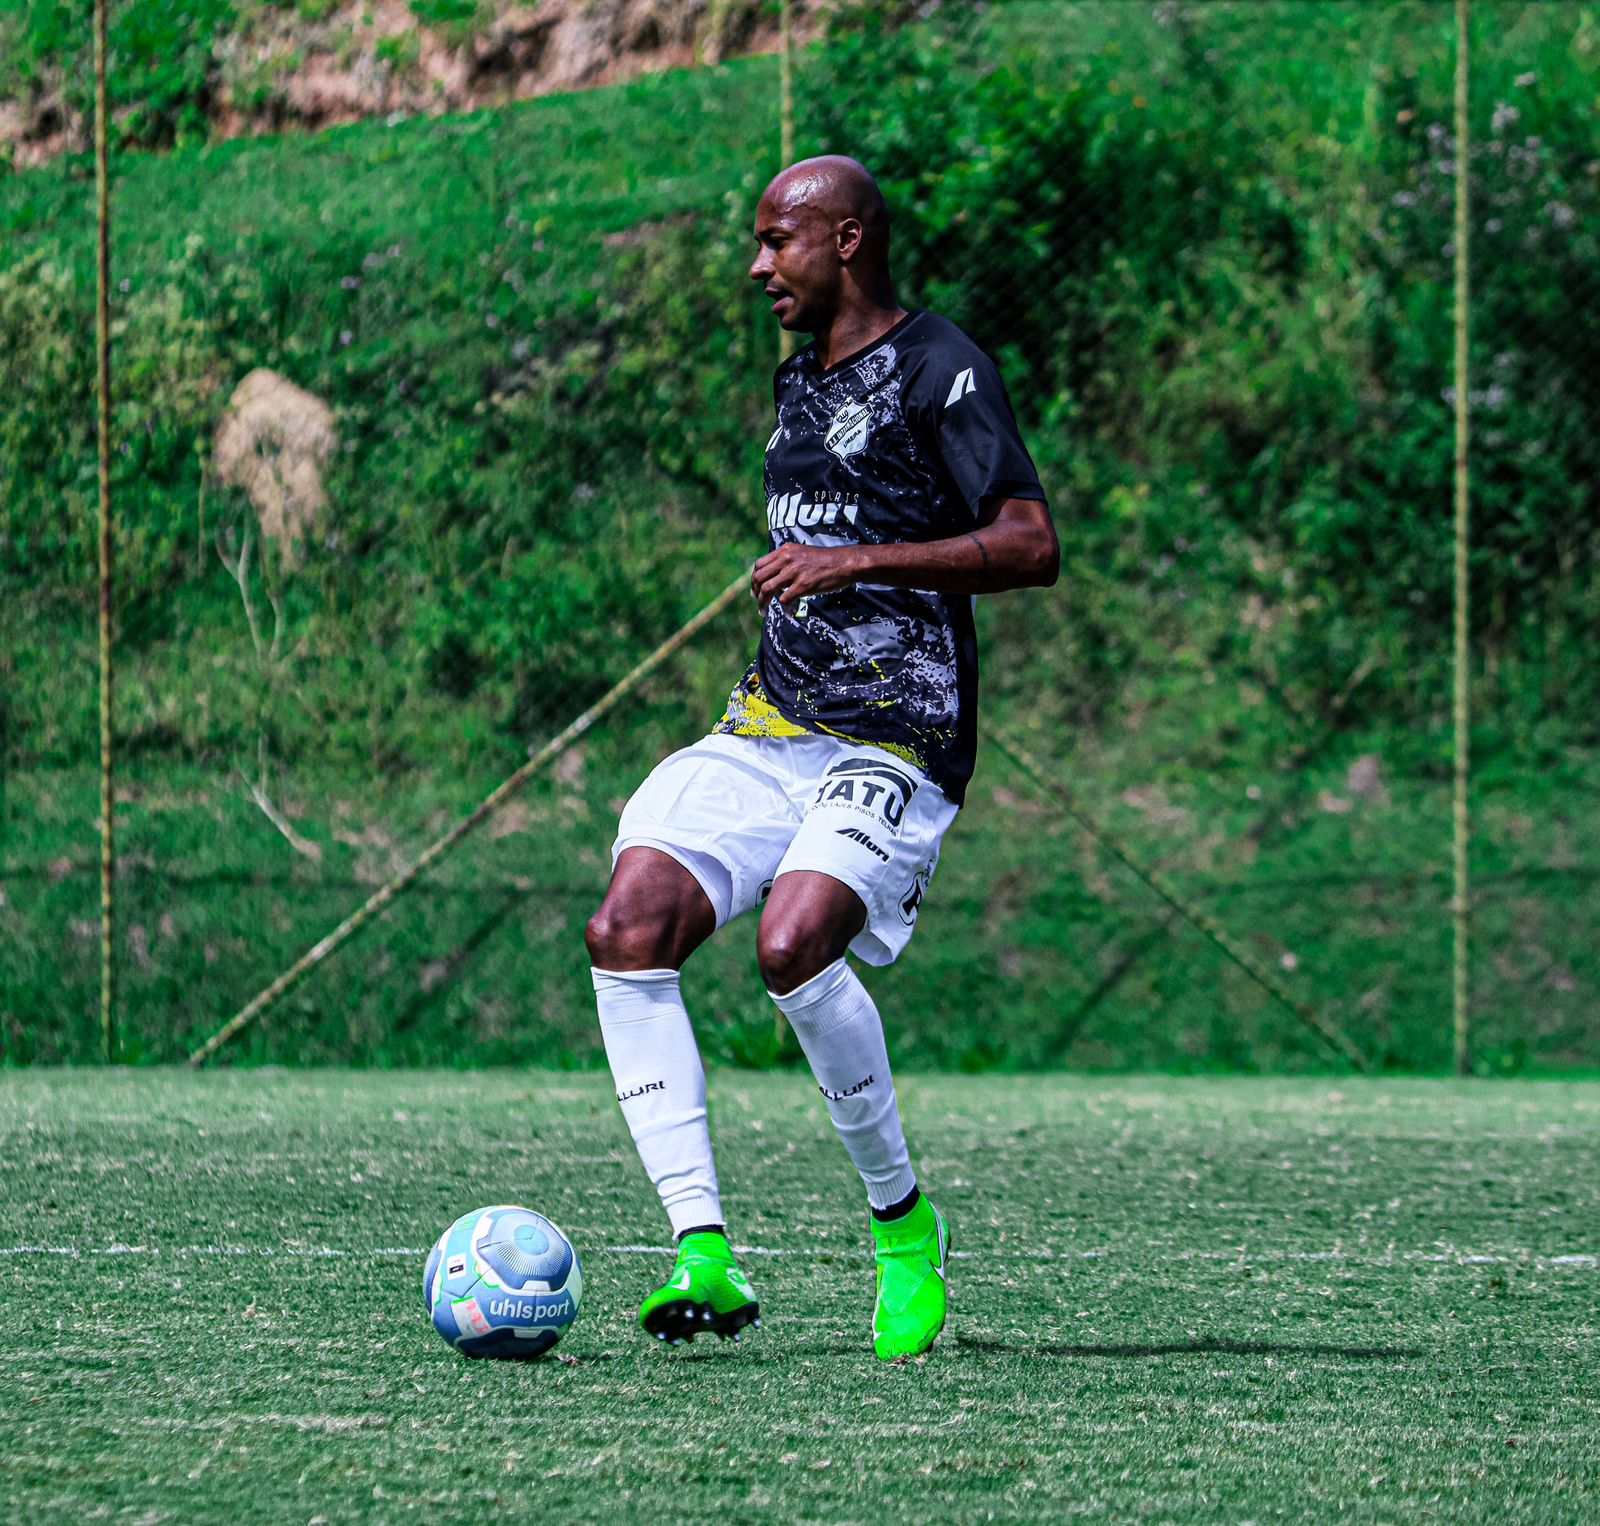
{"type": "Point", "coordinates": [1240, 1257]}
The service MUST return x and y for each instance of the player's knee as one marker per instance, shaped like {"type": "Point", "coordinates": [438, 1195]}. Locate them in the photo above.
{"type": "Point", "coordinates": [789, 956]}
{"type": "Point", "coordinates": [617, 941]}
{"type": "Point", "coordinates": [598, 936]}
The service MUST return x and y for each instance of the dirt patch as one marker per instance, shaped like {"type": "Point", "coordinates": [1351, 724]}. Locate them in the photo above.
{"type": "Point", "coordinates": [371, 58]}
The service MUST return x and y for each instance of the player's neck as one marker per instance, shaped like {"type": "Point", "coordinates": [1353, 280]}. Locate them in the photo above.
{"type": "Point", "coordinates": [853, 328]}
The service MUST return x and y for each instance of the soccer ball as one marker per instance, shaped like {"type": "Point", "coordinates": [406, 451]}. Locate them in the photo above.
{"type": "Point", "coordinates": [502, 1282]}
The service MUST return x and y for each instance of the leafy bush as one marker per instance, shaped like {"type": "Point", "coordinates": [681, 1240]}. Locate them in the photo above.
{"type": "Point", "coordinates": [161, 63]}
{"type": "Point", "coordinates": [47, 427]}
{"type": "Point", "coordinates": [1176, 307]}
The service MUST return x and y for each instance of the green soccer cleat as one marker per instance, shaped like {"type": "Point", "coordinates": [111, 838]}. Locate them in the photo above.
{"type": "Point", "coordinates": [706, 1294]}
{"type": "Point", "coordinates": [912, 1254]}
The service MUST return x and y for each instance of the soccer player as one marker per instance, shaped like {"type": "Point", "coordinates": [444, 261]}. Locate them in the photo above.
{"type": "Point", "coordinates": [897, 488]}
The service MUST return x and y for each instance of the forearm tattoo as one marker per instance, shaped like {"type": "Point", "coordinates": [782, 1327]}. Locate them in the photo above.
{"type": "Point", "coordinates": [984, 551]}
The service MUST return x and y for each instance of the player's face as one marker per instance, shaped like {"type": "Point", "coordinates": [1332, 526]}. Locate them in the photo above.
{"type": "Point", "coordinates": [797, 263]}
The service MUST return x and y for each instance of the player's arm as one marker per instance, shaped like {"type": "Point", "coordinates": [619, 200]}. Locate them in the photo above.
{"type": "Point", "coordinates": [1014, 545]}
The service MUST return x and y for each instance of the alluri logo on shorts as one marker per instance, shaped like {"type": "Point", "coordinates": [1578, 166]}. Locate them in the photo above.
{"type": "Point", "coordinates": [872, 788]}
{"type": "Point", "coordinates": [850, 430]}
{"type": "Point", "coordinates": [855, 834]}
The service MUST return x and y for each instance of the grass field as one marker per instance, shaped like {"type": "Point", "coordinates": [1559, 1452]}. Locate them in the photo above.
{"type": "Point", "coordinates": [1174, 1300]}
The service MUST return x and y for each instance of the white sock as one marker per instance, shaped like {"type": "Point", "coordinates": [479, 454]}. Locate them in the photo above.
{"type": "Point", "coordinates": [661, 1085]}
{"type": "Point", "coordinates": [842, 1036]}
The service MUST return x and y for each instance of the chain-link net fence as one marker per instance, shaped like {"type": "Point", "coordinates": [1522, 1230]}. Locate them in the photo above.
{"type": "Point", "coordinates": [429, 426]}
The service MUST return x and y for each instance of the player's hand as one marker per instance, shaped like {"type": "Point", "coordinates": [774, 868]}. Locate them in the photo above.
{"type": "Point", "coordinates": [793, 571]}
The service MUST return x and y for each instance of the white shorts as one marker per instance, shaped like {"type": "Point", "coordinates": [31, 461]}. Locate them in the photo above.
{"type": "Point", "coordinates": [737, 812]}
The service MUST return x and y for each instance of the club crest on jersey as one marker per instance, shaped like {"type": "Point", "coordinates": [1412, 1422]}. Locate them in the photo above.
{"type": "Point", "coordinates": [850, 430]}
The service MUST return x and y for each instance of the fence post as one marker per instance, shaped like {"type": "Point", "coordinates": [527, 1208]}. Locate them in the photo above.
{"type": "Point", "coordinates": [1463, 680]}
{"type": "Point", "coordinates": [108, 957]}
{"type": "Point", "coordinates": [786, 81]}
{"type": "Point", "coordinates": [787, 343]}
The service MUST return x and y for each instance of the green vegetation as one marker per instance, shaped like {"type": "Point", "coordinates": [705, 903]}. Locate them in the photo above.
{"type": "Point", "coordinates": [172, 64]}
{"type": "Point", "coordinates": [1033, 950]}
{"type": "Point", "coordinates": [162, 53]}
{"type": "Point", "coordinates": [458, 19]}
{"type": "Point", "coordinates": [1207, 244]}
{"type": "Point", "coordinates": [1187, 1301]}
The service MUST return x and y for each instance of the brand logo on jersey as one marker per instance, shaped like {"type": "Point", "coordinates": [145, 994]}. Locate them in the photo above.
{"type": "Point", "coordinates": [962, 385]}
{"type": "Point", "coordinates": [786, 511]}
{"type": "Point", "coordinates": [874, 789]}
{"type": "Point", "coordinates": [850, 430]}
{"type": "Point", "coordinates": [855, 834]}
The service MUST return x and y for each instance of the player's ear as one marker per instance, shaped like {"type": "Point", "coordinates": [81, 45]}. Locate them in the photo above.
{"type": "Point", "coordinates": [847, 239]}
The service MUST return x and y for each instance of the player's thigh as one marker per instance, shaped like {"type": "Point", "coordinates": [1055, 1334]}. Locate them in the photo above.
{"type": "Point", "coordinates": [875, 824]}
{"type": "Point", "coordinates": [721, 810]}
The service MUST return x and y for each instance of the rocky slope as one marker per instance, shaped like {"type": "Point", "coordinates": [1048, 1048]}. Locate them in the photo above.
{"type": "Point", "coordinates": [322, 62]}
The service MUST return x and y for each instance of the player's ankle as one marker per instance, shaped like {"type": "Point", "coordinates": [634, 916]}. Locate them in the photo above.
{"type": "Point", "coordinates": [898, 1210]}
{"type": "Point", "coordinates": [702, 1229]}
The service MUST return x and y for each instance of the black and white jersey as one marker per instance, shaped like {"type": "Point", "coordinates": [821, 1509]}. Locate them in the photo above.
{"type": "Point", "coordinates": [902, 441]}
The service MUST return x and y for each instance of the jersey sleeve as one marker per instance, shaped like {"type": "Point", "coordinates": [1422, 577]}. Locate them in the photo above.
{"type": "Point", "coordinates": [964, 407]}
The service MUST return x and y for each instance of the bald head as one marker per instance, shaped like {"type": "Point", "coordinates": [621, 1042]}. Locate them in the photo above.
{"type": "Point", "coordinates": [837, 189]}
{"type": "Point", "coordinates": [822, 235]}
